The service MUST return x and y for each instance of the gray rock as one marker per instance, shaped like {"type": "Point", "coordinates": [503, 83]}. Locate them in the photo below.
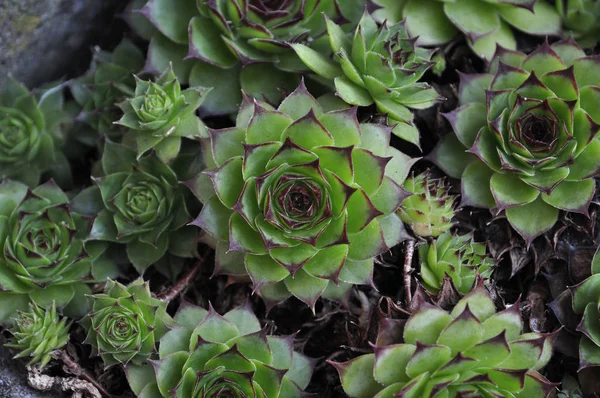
{"type": "Point", "coordinates": [41, 40]}
{"type": "Point", "coordinates": [13, 378]}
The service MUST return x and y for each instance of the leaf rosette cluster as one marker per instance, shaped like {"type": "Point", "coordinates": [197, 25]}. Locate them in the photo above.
{"type": "Point", "coordinates": [160, 114]}
{"type": "Point", "coordinates": [484, 23]}
{"type": "Point", "coordinates": [125, 323]}
{"type": "Point", "coordinates": [472, 351]}
{"type": "Point", "coordinates": [581, 17]}
{"type": "Point", "coordinates": [456, 258]}
{"type": "Point", "coordinates": [38, 333]}
{"type": "Point", "coordinates": [297, 198]}
{"type": "Point", "coordinates": [532, 127]}
{"type": "Point", "coordinates": [43, 257]}
{"type": "Point", "coordinates": [376, 65]}
{"type": "Point", "coordinates": [210, 356]}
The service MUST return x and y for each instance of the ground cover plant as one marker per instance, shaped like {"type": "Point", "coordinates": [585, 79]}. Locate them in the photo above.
{"type": "Point", "coordinates": [331, 198]}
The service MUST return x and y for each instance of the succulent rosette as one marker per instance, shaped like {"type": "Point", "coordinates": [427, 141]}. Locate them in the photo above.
{"type": "Point", "coordinates": [380, 66]}
{"type": "Point", "coordinates": [30, 133]}
{"type": "Point", "coordinates": [38, 333]}
{"type": "Point", "coordinates": [297, 198]}
{"type": "Point", "coordinates": [531, 126]}
{"type": "Point", "coordinates": [430, 208]}
{"type": "Point", "coordinates": [210, 356]}
{"type": "Point", "coordinates": [472, 351]}
{"type": "Point", "coordinates": [108, 82]}
{"type": "Point", "coordinates": [125, 323]}
{"type": "Point", "coordinates": [484, 23]}
{"type": "Point", "coordinates": [141, 205]}
{"type": "Point", "coordinates": [43, 256]}
{"type": "Point", "coordinates": [456, 258]}
{"type": "Point", "coordinates": [236, 44]}
{"type": "Point", "coordinates": [159, 114]}
{"type": "Point", "coordinates": [580, 18]}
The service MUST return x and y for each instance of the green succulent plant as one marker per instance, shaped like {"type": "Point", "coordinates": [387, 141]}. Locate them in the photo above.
{"type": "Point", "coordinates": [236, 44]}
{"type": "Point", "coordinates": [38, 333]}
{"type": "Point", "coordinates": [109, 81]}
{"type": "Point", "coordinates": [484, 23]}
{"type": "Point", "coordinates": [429, 209]}
{"type": "Point", "coordinates": [297, 198]}
{"type": "Point", "coordinates": [210, 356]}
{"type": "Point", "coordinates": [43, 256]}
{"type": "Point", "coordinates": [142, 205]}
{"type": "Point", "coordinates": [580, 18]}
{"type": "Point", "coordinates": [455, 257]}
{"type": "Point", "coordinates": [159, 114]}
{"type": "Point", "coordinates": [470, 352]}
{"type": "Point", "coordinates": [378, 66]}
{"type": "Point", "coordinates": [126, 323]}
{"type": "Point", "coordinates": [30, 134]}
{"type": "Point", "coordinates": [586, 302]}
{"type": "Point", "coordinates": [530, 128]}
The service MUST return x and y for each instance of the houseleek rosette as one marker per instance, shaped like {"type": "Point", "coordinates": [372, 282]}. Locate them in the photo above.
{"type": "Point", "coordinates": [143, 207]}
{"type": "Point", "coordinates": [484, 23]}
{"type": "Point", "coordinates": [580, 18]}
{"type": "Point", "coordinates": [43, 258]}
{"type": "Point", "coordinates": [210, 356]}
{"type": "Point", "coordinates": [125, 323]}
{"type": "Point", "coordinates": [380, 66]}
{"type": "Point", "coordinates": [37, 333]}
{"type": "Point", "coordinates": [297, 198]}
{"type": "Point", "coordinates": [236, 44]}
{"type": "Point", "coordinates": [470, 352]}
{"type": "Point", "coordinates": [429, 209]}
{"type": "Point", "coordinates": [456, 258]}
{"type": "Point", "coordinates": [531, 126]}
{"type": "Point", "coordinates": [29, 133]}
{"type": "Point", "coordinates": [159, 114]}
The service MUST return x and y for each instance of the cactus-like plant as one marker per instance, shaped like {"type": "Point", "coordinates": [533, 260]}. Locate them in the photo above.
{"type": "Point", "coordinates": [30, 134]}
{"type": "Point", "coordinates": [159, 114]}
{"type": "Point", "coordinates": [38, 333]}
{"type": "Point", "coordinates": [430, 208]}
{"type": "Point", "coordinates": [125, 323]}
{"type": "Point", "coordinates": [472, 351]}
{"type": "Point", "coordinates": [457, 257]}
{"type": "Point", "coordinates": [484, 23]}
{"type": "Point", "coordinates": [236, 44]}
{"type": "Point", "coordinates": [141, 205]}
{"type": "Point", "coordinates": [297, 198]}
{"type": "Point", "coordinates": [530, 128]}
{"type": "Point", "coordinates": [210, 356]}
{"type": "Point", "coordinates": [380, 66]}
{"type": "Point", "coordinates": [580, 18]}
{"type": "Point", "coordinates": [43, 257]}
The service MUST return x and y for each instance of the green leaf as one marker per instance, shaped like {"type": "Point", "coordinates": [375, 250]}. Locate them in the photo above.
{"type": "Point", "coordinates": [142, 255]}
{"type": "Point", "coordinates": [168, 149]}
{"type": "Point", "coordinates": [543, 21]}
{"type": "Point", "coordinates": [264, 270]}
{"type": "Point", "coordinates": [168, 371]}
{"type": "Point", "coordinates": [532, 219]}
{"type": "Point", "coordinates": [352, 93]}
{"type": "Point", "coordinates": [475, 185]}
{"type": "Point", "coordinates": [267, 83]}
{"type": "Point", "coordinates": [430, 24]}
{"type": "Point", "coordinates": [356, 376]}
{"type": "Point", "coordinates": [162, 52]}
{"type": "Point", "coordinates": [390, 363]}
{"type": "Point", "coordinates": [206, 43]}
{"type": "Point", "coordinates": [117, 158]}
{"type": "Point", "coordinates": [305, 287]}
{"type": "Point", "coordinates": [485, 47]}
{"type": "Point", "coordinates": [317, 62]}
{"type": "Point", "coordinates": [139, 377]}
{"type": "Point", "coordinates": [10, 303]}
{"type": "Point", "coordinates": [427, 359]}
{"type": "Point", "coordinates": [462, 333]}
{"type": "Point", "coordinates": [466, 121]}
{"type": "Point", "coordinates": [426, 324]}
{"type": "Point", "coordinates": [228, 181]}
{"type": "Point", "coordinates": [574, 196]}
{"type": "Point", "coordinates": [54, 293]}
{"type": "Point", "coordinates": [171, 19]}
{"type": "Point", "coordinates": [473, 17]}
{"type": "Point", "coordinates": [226, 94]}
{"type": "Point", "coordinates": [509, 191]}
{"type": "Point", "coordinates": [12, 194]}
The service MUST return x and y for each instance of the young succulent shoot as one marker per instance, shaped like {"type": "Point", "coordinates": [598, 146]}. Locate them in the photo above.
{"type": "Point", "coordinates": [380, 66]}
{"type": "Point", "coordinates": [300, 200]}
{"type": "Point", "coordinates": [235, 45]}
{"type": "Point", "coordinates": [142, 206]}
{"type": "Point", "coordinates": [455, 258]}
{"type": "Point", "coordinates": [472, 351]}
{"type": "Point", "coordinates": [586, 302]}
{"type": "Point", "coordinates": [38, 333]}
{"type": "Point", "coordinates": [580, 19]}
{"type": "Point", "coordinates": [159, 114]}
{"type": "Point", "coordinates": [483, 23]}
{"type": "Point", "coordinates": [126, 323]}
{"type": "Point", "coordinates": [43, 258]}
{"type": "Point", "coordinates": [525, 136]}
{"type": "Point", "coordinates": [430, 208]}
{"type": "Point", "coordinates": [29, 134]}
{"type": "Point", "coordinates": [210, 356]}
{"type": "Point", "coordinates": [108, 82]}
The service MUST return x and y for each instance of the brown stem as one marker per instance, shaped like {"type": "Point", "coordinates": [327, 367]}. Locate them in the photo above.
{"type": "Point", "coordinates": [410, 250]}
{"type": "Point", "coordinates": [76, 369]}
{"type": "Point", "coordinates": [183, 282]}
